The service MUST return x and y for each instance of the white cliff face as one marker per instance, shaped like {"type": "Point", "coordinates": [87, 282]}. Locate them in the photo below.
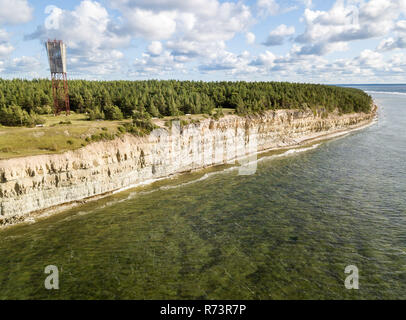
{"type": "Point", "coordinates": [39, 182]}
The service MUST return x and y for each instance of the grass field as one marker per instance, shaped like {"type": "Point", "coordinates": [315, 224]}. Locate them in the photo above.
{"type": "Point", "coordinates": [59, 134]}
{"type": "Point", "coordinates": [63, 133]}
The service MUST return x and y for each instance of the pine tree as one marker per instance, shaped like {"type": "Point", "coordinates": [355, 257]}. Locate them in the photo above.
{"type": "Point", "coordinates": [152, 110]}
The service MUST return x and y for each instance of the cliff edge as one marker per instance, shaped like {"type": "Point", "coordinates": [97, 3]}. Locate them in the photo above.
{"type": "Point", "coordinates": [35, 183]}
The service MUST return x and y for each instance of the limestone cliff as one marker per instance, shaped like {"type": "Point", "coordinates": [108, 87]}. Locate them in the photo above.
{"type": "Point", "coordinates": [38, 182]}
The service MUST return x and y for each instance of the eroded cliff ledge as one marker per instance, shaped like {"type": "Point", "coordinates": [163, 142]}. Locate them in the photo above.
{"type": "Point", "coordinates": [35, 183]}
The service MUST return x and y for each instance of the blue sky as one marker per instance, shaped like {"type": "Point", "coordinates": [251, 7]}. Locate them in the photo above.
{"type": "Point", "coordinates": [336, 41]}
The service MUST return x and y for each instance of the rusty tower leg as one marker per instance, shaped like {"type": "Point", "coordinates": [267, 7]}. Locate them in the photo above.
{"type": "Point", "coordinates": [60, 93]}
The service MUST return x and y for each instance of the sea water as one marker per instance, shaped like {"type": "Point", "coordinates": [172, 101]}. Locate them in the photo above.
{"type": "Point", "coordinates": [286, 232]}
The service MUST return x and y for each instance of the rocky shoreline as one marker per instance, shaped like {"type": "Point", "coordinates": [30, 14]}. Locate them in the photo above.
{"type": "Point", "coordinates": [45, 184]}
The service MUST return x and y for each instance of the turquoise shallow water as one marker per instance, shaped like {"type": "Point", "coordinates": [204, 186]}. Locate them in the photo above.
{"type": "Point", "coordinates": [287, 232]}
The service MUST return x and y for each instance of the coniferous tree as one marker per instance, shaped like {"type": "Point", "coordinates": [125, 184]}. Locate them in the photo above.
{"type": "Point", "coordinates": [172, 98]}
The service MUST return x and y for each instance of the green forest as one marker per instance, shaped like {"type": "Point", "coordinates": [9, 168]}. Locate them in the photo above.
{"type": "Point", "coordinates": [22, 102]}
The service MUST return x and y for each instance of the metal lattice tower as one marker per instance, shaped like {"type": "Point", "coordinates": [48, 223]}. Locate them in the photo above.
{"type": "Point", "coordinates": [56, 50]}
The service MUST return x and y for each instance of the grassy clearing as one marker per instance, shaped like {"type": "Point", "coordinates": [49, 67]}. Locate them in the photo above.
{"type": "Point", "coordinates": [63, 133]}
{"type": "Point", "coordinates": [59, 134]}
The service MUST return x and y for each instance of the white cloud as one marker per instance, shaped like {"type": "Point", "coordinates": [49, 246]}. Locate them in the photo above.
{"type": "Point", "coordinates": [268, 7]}
{"type": "Point", "coordinates": [395, 43]}
{"type": "Point", "coordinates": [307, 3]}
{"type": "Point", "coordinates": [156, 65]}
{"type": "Point", "coordinates": [3, 35]}
{"type": "Point", "coordinates": [21, 66]}
{"type": "Point", "coordinates": [151, 25]}
{"type": "Point", "coordinates": [346, 21]}
{"type": "Point", "coordinates": [187, 51]}
{"type": "Point", "coordinates": [371, 59]}
{"type": "Point", "coordinates": [401, 26]}
{"type": "Point", "coordinates": [92, 46]}
{"type": "Point", "coordinates": [99, 62]}
{"type": "Point", "coordinates": [321, 49]}
{"type": "Point", "coordinates": [277, 37]}
{"type": "Point", "coordinates": [368, 64]}
{"type": "Point", "coordinates": [250, 37]}
{"type": "Point", "coordinates": [186, 21]}
{"type": "Point", "coordinates": [192, 20]}
{"type": "Point", "coordinates": [376, 8]}
{"type": "Point", "coordinates": [204, 7]}
{"type": "Point", "coordinates": [283, 30]}
{"type": "Point", "coordinates": [191, 36]}
{"type": "Point", "coordinates": [398, 61]}
{"type": "Point", "coordinates": [197, 33]}
{"type": "Point", "coordinates": [84, 28]}
{"type": "Point", "coordinates": [52, 22]}
{"type": "Point", "coordinates": [155, 48]}
{"type": "Point", "coordinates": [266, 59]}
{"type": "Point", "coordinates": [230, 64]}
{"type": "Point", "coordinates": [222, 24]}
{"type": "Point", "coordinates": [392, 44]}
{"type": "Point", "coordinates": [159, 19]}
{"type": "Point", "coordinates": [15, 11]}
{"type": "Point", "coordinates": [5, 49]}
{"type": "Point", "coordinates": [193, 29]}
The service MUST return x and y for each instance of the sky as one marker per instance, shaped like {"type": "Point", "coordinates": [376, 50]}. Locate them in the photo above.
{"type": "Point", "coordinates": [317, 41]}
